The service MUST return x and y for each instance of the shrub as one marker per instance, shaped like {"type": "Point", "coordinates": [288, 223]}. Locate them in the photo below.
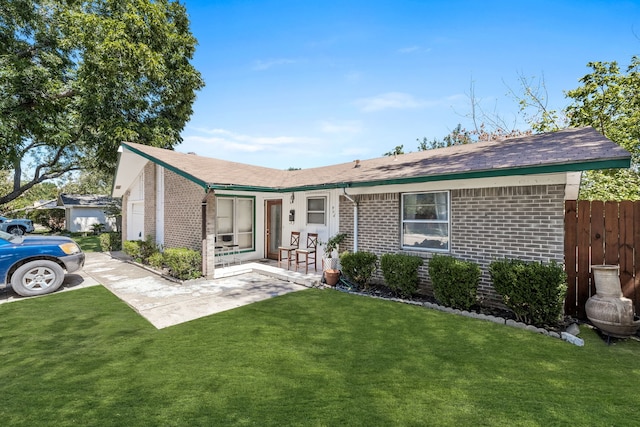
{"type": "Point", "coordinates": [400, 273]}
{"type": "Point", "coordinates": [140, 250]}
{"type": "Point", "coordinates": [156, 260]}
{"type": "Point", "coordinates": [132, 248]}
{"type": "Point", "coordinates": [535, 292]}
{"type": "Point", "coordinates": [183, 263]}
{"type": "Point", "coordinates": [359, 266]}
{"type": "Point", "coordinates": [455, 282]}
{"type": "Point", "coordinates": [97, 228]}
{"type": "Point", "coordinates": [53, 219]}
{"type": "Point", "coordinates": [111, 241]}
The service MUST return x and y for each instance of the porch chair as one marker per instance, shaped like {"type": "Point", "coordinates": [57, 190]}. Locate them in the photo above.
{"type": "Point", "coordinates": [309, 253]}
{"type": "Point", "coordinates": [290, 250]}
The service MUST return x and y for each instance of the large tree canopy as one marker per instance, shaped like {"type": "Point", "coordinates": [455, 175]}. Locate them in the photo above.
{"type": "Point", "coordinates": [79, 77]}
{"type": "Point", "coordinates": [609, 100]}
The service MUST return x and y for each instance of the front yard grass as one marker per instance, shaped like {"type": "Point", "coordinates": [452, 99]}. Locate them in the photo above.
{"type": "Point", "coordinates": [88, 242]}
{"type": "Point", "coordinates": [308, 358]}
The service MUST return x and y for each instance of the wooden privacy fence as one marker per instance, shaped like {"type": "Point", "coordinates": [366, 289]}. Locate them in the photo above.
{"type": "Point", "coordinates": [600, 233]}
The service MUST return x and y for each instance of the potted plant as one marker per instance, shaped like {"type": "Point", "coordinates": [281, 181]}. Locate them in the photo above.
{"type": "Point", "coordinates": [331, 245]}
{"type": "Point", "coordinates": [332, 276]}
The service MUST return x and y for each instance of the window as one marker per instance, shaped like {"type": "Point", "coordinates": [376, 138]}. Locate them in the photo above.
{"type": "Point", "coordinates": [235, 221]}
{"type": "Point", "coordinates": [316, 210]}
{"type": "Point", "coordinates": [425, 221]}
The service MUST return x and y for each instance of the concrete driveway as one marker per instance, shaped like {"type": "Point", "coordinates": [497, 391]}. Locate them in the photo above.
{"type": "Point", "coordinates": [166, 303]}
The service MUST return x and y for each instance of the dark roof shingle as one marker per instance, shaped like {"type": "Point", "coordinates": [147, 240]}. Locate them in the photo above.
{"type": "Point", "coordinates": [568, 149]}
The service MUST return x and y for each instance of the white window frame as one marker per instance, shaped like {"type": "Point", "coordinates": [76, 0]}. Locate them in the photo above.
{"type": "Point", "coordinates": [235, 232]}
{"type": "Point", "coordinates": [316, 212]}
{"type": "Point", "coordinates": [404, 221]}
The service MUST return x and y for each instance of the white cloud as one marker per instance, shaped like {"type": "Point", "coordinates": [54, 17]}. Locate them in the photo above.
{"type": "Point", "coordinates": [390, 100]}
{"type": "Point", "coordinates": [341, 126]}
{"type": "Point", "coordinates": [261, 65]}
{"type": "Point", "coordinates": [222, 139]}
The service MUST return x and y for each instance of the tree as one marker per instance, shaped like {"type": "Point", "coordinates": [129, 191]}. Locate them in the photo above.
{"type": "Point", "coordinates": [458, 136]}
{"type": "Point", "coordinates": [395, 151]}
{"type": "Point", "coordinates": [87, 182]}
{"type": "Point", "coordinates": [79, 77]}
{"type": "Point", "coordinates": [533, 102]}
{"type": "Point", "coordinates": [609, 100]}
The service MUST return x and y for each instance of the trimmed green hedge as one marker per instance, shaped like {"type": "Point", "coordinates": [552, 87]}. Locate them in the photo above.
{"type": "Point", "coordinates": [183, 263]}
{"type": "Point", "coordinates": [400, 272]}
{"type": "Point", "coordinates": [455, 282]}
{"type": "Point", "coordinates": [111, 241]}
{"type": "Point", "coordinates": [359, 266]}
{"type": "Point", "coordinates": [140, 250]}
{"type": "Point", "coordinates": [534, 291]}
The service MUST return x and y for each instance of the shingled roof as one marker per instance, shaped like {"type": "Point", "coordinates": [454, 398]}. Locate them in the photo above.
{"type": "Point", "coordinates": [572, 149]}
{"type": "Point", "coordinates": [84, 200]}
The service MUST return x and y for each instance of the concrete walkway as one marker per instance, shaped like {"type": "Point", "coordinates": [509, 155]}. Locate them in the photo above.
{"type": "Point", "coordinates": [166, 303]}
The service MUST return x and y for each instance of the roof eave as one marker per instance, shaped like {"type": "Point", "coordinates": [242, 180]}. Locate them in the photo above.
{"type": "Point", "coordinates": [612, 163]}
{"type": "Point", "coordinates": [488, 173]}
{"type": "Point", "coordinates": [165, 165]}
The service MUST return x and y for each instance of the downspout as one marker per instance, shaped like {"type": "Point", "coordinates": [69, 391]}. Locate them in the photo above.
{"type": "Point", "coordinates": [355, 219]}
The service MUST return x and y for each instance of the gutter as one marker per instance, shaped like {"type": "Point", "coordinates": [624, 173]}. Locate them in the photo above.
{"type": "Point", "coordinates": [355, 219]}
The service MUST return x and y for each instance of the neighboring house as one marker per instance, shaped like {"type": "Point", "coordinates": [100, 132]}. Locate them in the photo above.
{"type": "Point", "coordinates": [82, 211]}
{"type": "Point", "coordinates": [477, 202]}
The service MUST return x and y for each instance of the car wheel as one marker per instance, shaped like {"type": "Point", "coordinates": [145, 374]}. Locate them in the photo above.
{"type": "Point", "coordinates": [16, 230]}
{"type": "Point", "coordinates": [37, 278]}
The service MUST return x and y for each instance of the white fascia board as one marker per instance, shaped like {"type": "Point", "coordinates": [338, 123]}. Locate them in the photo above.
{"type": "Point", "coordinates": [129, 167]}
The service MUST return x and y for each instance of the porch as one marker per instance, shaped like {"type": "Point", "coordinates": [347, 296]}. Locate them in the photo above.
{"type": "Point", "coordinates": [268, 267]}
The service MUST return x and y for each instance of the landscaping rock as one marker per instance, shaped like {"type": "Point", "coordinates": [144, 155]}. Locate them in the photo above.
{"type": "Point", "coordinates": [573, 329]}
{"type": "Point", "coordinates": [515, 324]}
{"type": "Point", "coordinates": [572, 339]}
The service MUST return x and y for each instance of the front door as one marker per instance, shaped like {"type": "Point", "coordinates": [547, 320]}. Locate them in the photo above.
{"type": "Point", "coordinates": [273, 237]}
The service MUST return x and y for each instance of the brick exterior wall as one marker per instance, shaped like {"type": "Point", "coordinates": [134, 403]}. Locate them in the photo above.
{"type": "Point", "coordinates": [486, 223]}
{"type": "Point", "coordinates": [182, 212]}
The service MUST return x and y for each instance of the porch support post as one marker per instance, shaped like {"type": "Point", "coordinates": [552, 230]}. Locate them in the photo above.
{"type": "Point", "coordinates": [355, 219]}
{"type": "Point", "coordinates": [209, 234]}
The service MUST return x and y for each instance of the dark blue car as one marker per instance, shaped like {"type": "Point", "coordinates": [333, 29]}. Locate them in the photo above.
{"type": "Point", "coordinates": [36, 265]}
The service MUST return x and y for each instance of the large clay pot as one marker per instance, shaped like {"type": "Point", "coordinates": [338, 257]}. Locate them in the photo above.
{"type": "Point", "coordinates": [331, 276]}
{"type": "Point", "coordinates": [608, 310]}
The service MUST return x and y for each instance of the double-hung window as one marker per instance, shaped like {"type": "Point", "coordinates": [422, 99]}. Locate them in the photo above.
{"type": "Point", "coordinates": [316, 210]}
{"type": "Point", "coordinates": [426, 221]}
{"type": "Point", "coordinates": [235, 221]}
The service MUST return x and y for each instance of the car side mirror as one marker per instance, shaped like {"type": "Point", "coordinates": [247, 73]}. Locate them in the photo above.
{"type": "Point", "coordinates": [17, 239]}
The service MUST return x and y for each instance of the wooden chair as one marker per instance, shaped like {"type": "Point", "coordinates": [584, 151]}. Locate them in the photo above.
{"type": "Point", "coordinates": [290, 250]}
{"type": "Point", "coordinates": [309, 253]}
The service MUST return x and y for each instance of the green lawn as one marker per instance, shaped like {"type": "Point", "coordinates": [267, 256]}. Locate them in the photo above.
{"type": "Point", "coordinates": [89, 243]}
{"type": "Point", "coordinates": [318, 358]}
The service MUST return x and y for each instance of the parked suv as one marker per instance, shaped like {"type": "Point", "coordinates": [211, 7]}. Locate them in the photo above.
{"type": "Point", "coordinates": [35, 265]}
{"type": "Point", "coordinates": [16, 226]}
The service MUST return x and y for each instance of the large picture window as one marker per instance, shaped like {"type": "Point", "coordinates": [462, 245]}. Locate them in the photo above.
{"type": "Point", "coordinates": [235, 221]}
{"type": "Point", "coordinates": [425, 221]}
{"type": "Point", "coordinates": [316, 210]}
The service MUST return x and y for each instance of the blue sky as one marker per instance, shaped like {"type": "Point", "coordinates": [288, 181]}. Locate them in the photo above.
{"type": "Point", "coordinates": [312, 83]}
